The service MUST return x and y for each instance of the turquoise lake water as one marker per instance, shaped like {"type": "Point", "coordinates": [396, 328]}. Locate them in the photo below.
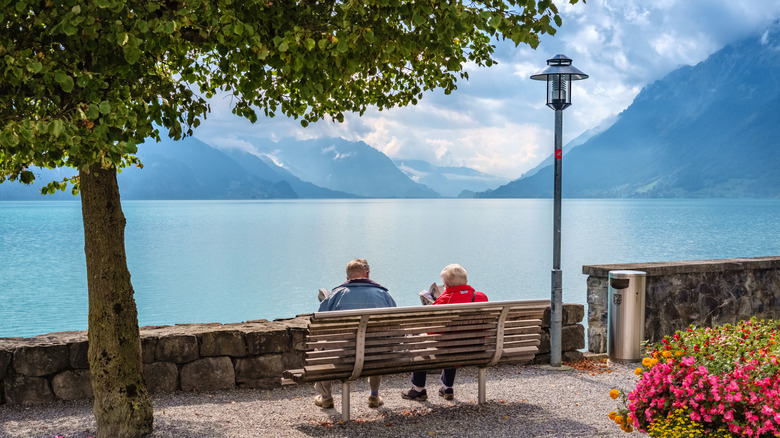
{"type": "Point", "coordinates": [232, 261]}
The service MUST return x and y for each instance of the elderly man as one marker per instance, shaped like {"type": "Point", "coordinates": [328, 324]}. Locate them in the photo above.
{"type": "Point", "coordinates": [359, 292]}
{"type": "Point", "coordinates": [457, 291]}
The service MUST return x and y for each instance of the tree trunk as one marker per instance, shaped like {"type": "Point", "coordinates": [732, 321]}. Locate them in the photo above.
{"type": "Point", "coordinates": [122, 405]}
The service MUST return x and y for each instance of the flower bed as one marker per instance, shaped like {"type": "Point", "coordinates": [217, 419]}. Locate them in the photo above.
{"type": "Point", "coordinates": [714, 382]}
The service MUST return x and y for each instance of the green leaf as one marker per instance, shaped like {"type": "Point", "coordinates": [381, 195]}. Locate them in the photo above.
{"type": "Point", "coordinates": [418, 19]}
{"type": "Point", "coordinates": [283, 47]}
{"type": "Point", "coordinates": [69, 29]}
{"type": "Point", "coordinates": [309, 44]}
{"type": "Point", "coordinates": [35, 67]}
{"type": "Point", "coordinates": [65, 81]}
{"type": "Point", "coordinates": [132, 54]}
{"type": "Point", "coordinates": [168, 28]}
{"type": "Point", "coordinates": [105, 107]}
{"type": "Point", "coordinates": [76, 9]}
{"type": "Point", "coordinates": [369, 36]}
{"type": "Point", "coordinates": [93, 111]}
{"type": "Point", "coordinates": [342, 46]}
{"type": "Point", "coordinates": [56, 128]}
{"type": "Point", "coordinates": [103, 3]}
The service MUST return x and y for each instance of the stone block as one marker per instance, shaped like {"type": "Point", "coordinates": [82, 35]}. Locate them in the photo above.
{"type": "Point", "coordinates": [148, 348]}
{"type": "Point", "coordinates": [572, 338]}
{"type": "Point", "coordinates": [161, 376]}
{"type": "Point", "coordinates": [223, 343]}
{"type": "Point", "coordinates": [260, 372]}
{"type": "Point", "coordinates": [23, 390]}
{"type": "Point", "coordinates": [597, 339]}
{"type": "Point", "coordinates": [40, 360]}
{"type": "Point", "coordinates": [572, 314]}
{"type": "Point", "coordinates": [72, 385]}
{"type": "Point", "coordinates": [176, 348]}
{"type": "Point", "coordinates": [292, 360]}
{"type": "Point", "coordinates": [209, 374]}
{"type": "Point", "coordinates": [264, 342]}
{"type": "Point", "coordinates": [77, 355]}
{"type": "Point", "coordinates": [5, 360]}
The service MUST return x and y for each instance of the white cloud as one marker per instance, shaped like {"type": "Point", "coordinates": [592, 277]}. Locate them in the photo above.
{"type": "Point", "coordinates": [497, 121]}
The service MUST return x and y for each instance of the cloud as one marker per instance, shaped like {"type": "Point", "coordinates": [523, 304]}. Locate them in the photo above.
{"type": "Point", "coordinates": [497, 122]}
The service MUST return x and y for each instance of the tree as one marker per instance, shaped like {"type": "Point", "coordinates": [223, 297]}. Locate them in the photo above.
{"type": "Point", "coordinates": [84, 82]}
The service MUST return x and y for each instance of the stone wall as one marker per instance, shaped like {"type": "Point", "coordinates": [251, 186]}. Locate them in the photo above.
{"type": "Point", "coordinates": [187, 357]}
{"type": "Point", "coordinates": [679, 294]}
{"type": "Point", "coordinates": [192, 357]}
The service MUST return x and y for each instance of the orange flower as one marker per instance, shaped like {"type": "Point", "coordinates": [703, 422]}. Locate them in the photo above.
{"type": "Point", "coordinates": [612, 415]}
{"type": "Point", "coordinates": [638, 371]}
{"type": "Point", "coordinates": [614, 393]}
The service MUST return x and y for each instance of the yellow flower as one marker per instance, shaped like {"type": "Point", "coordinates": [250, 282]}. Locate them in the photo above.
{"type": "Point", "coordinates": [620, 420]}
{"type": "Point", "coordinates": [678, 353]}
{"type": "Point", "coordinates": [638, 371]}
{"type": "Point", "coordinates": [614, 393]}
{"type": "Point", "coordinates": [667, 354]}
{"type": "Point", "coordinates": [627, 428]}
{"type": "Point", "coordinates": [612, 415]}
{"type": "Point", "coordinates": [653, 362]}
{"type": "Point", "coordinates": [647, 361]}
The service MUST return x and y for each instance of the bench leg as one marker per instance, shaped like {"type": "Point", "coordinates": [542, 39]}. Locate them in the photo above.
{"type": "Point", "coordinates": [482, 376]}
{"type": "Point", "coordinates": [345, 400]}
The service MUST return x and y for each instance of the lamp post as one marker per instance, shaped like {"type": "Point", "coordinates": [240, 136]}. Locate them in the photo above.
{"type": "Point", "coordinates": [559, 74]}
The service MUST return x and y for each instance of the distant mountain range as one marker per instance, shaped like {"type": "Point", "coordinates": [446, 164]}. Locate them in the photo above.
{"type": "Point", "coordinates": [711, 130]}
{"type": "Point", "coordinates": [324, 168]}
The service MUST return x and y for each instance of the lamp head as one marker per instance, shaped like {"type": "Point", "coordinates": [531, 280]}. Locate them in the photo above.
{"type": "Point", "coordinates": [559, 73]}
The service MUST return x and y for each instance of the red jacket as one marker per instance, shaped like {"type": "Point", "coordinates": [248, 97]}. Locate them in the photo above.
{"type": "Point", "coordinates": [460, 294]}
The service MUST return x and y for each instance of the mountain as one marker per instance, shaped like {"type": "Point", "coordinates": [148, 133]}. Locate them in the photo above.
{"type": "Point", "coordinates": [191, 169]}
{"type": "Point", "coordinates": [709, 130]}
{"type": "Point", "coordinates": [449, 181]}
{"type": "Point", "coordinates": [266, 169]}
{"type": "Point", "coordinates": [341, 165]}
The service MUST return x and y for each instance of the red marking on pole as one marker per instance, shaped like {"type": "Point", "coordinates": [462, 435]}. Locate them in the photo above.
{"type": "Point", "coordinates": [558, 153]}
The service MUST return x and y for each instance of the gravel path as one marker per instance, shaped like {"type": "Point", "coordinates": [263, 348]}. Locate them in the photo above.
{"type": "Point", "coordinates": [522, 401]}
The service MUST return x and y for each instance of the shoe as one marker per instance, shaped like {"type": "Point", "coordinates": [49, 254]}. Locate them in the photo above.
{"type": "Point", "coordinates": [415, 395]}
{"type": "Point", "coordinates": [375, 401]}
{"type": "Point", "coordinates": [447, 393]}
{"type": "Point", "coordinates": [323, 402]}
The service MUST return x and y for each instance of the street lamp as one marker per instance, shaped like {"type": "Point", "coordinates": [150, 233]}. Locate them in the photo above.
{"type": "Point", "coordinates": [559, 74]}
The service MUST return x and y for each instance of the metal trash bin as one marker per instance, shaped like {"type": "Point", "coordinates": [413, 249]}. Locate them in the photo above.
{"type": "Point", "coordinates": [626, 328]}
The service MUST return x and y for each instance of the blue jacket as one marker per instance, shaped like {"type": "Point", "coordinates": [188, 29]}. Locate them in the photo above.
{"type": "Point", "coordinates": [360, 293]}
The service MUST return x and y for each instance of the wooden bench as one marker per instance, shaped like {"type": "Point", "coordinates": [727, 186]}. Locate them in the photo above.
{"type": "Point", "coordinates": [349, 344]}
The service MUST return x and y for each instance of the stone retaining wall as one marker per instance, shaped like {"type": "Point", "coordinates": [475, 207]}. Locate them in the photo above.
{"type": "Point", "coordinates": [678, 294]}
{"type": "Point", "coordinates": [190, 357]}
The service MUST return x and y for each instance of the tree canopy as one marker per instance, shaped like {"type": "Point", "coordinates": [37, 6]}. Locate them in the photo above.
{"type": "Point", "coordinates": [84, 82]}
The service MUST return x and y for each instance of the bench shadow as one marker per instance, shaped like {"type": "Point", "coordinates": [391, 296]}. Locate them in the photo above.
{"type": "Point", "coordinates": [491, 419]}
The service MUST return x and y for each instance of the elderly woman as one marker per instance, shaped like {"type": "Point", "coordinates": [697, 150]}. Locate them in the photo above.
{"type": "Point", "coordinates": [457, 290]}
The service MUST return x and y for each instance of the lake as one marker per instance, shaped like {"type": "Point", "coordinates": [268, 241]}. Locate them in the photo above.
{"type": "Point", "coordinates": [232, 261]}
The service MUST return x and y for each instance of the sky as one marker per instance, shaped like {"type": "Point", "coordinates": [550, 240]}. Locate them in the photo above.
{"type": "Point", "coordinates": [497, 121]}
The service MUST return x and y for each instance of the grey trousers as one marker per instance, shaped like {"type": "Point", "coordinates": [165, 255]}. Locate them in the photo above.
{"type": "Point", "coordinates": [324, 388]}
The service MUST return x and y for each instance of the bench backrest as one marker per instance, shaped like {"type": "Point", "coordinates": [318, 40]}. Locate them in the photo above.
{"type": "Point", "coordinates": [352, 343]}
